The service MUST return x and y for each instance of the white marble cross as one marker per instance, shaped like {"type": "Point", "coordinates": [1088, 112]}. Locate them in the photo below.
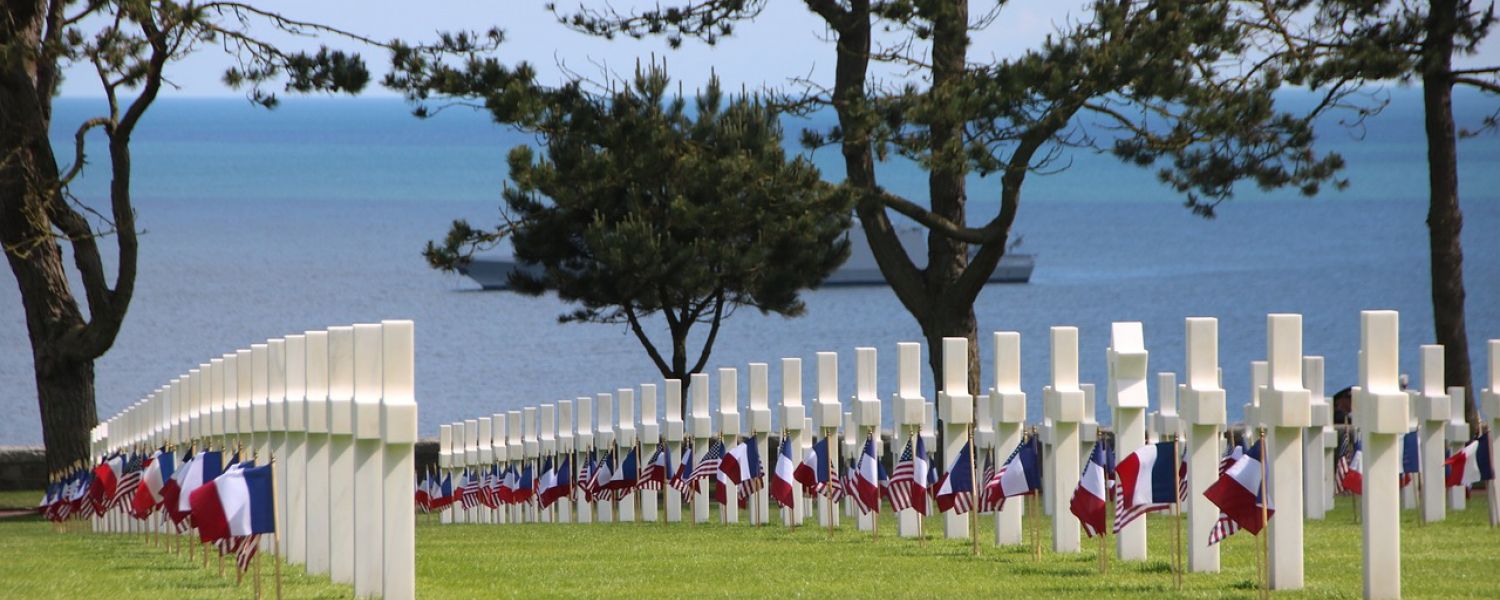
{"type": "Point", "coordinates": [1381, 409]}
{"type": "Point", "coordinates": [1286, 410]}
{"type": "Point", "coordinates": [956, 411]}
{"type": "Point", "coordinates": [1008, 406]}
{"type": "Point", "coordinates": [1128, 398]}
{"type": "Point", "coordinates": [1433, 407]}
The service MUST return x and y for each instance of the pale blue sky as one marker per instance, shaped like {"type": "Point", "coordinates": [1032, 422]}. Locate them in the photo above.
{"type": "Point", "coordinates": [785, 42]}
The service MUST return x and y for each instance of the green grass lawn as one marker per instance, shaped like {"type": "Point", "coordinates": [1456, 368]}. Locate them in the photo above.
{"type": "Point", "coordinates": [1456, 558]}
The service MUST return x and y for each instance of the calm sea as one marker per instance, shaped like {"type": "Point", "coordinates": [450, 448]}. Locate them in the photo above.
{"type": "Point", "coordinates": [258, 224]}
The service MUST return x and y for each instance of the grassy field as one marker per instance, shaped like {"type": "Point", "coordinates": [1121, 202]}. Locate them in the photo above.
{"type": "Point", "coordinates": [1453, 559]}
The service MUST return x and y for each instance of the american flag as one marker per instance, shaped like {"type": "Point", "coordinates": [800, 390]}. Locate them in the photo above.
{"type": "Point", "coordinates": [834, 488]}
{"type": "Point", "coordinates": [245, 550]}
{"type": "Point", "coordinates": [850, 474]}
{"type": "Point", "coordinates": [586, 478]}
{"type": "Point", "coordinates": [1341, 466]}
{"type": "Point", "coordinates": [991, 502]}
{"type": "Point", "coordinates": [655, 472]}
{"type": "Point", "coordinates": [710, 463]}
{"type": "Point", "coordinates": [682, 480]}
{"type": "Point", "coordinates": [1124, 516]}
{"type": "Point", "coordinates": [469, 497]}
{"type": "Point", "coordinates": [489, 488]}
{"type": "Point", "coordinates": [994, 499]}
{"type": "Point", "coordinates": [1226, 526]}
{"type": "Point", "coordinates": [901, 479]}
{"type": "Point", "coordinates": [128, 480]}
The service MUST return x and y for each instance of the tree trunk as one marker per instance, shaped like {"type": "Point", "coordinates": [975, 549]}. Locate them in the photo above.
{"type": "Point", "coordinates": [1444, 218]}
{"type": "Point", "coordinates": [28, 174]}
{"type": "Point", "coordinates": [66, 395]}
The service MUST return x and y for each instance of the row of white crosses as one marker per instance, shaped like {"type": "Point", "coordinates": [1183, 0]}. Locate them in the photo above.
{"type": "Point", "coordinates": [336, 410]}
{"type": "Point", "coordinates": [1287, 400]}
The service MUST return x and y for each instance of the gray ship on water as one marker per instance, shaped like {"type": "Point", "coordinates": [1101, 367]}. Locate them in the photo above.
{"type": "Point", "coordinates": [492, 272]}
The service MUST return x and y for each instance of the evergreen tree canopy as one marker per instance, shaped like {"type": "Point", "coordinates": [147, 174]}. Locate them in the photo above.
{"type": "Point", "coordinates": [639, 204]}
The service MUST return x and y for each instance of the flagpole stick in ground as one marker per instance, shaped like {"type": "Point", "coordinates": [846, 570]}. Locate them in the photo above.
{"type": "Point", "coordinates": [1265, 558]}
{"type": "Point", "coordinates": [1177, 500]}
{"type": "Point", "coordinates": [974, 485]}
{"type": "Point", "coordinates": [828, 487]}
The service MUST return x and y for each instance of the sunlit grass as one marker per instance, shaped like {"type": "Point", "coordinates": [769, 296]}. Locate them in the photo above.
{"type": "Point", "coordinates": [1456, 558]}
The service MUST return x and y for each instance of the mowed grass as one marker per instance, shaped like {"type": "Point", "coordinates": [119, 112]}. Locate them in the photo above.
{"type": "Point", "coordinates": [1457, 558]}
{"type": "Point", "coordinates": [40, 560]}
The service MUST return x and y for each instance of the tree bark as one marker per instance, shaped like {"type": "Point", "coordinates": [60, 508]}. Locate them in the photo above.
{"type": "Point", "coordinates": [1444, 218]}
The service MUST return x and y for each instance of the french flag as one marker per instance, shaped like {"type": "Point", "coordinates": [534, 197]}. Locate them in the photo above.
{"type": "Point", "coordinates": [237, 503]}
{"type": "Point", "coordinates": [527, 486]}
{"type": "Point", "coordinates": [1019, 476]}
{"type": "Point", "coordinates": [1088, 502]}
{"type": "Point", "coordinates": [171, 493]}
{"type": "Point", "coordinates": [783, 480]}
{"type": "Point", "coordinates": [623, 479]}
{"type": "Point", "coordinates": [955, 489]}
{"type": "Point", "coordinates": [1411, 457]}
{"type": "Point", "coordinates": [423, 497]}
{"type": "Point", "coordinates": [1354, 473]}
{"type": "Point", "coordinates": [106, 480]}
{"type": "Point", "coordinates": [1471, 464]}
{"type": "Point", "coordinates": [508, 483]}
{"type": "Point", "coordinates": [556, 484]}
{"type": "Point", "coordinates": [443, 495]}
{"type": "Point", "coordinates": [742, 463]}
{"type": "Point", "coordinates": [154, 478]}
{"type": "Point", "coordinates": [867, 479]}
{"type": "Point", "coordinates": [812, 473]}
{"type": "Point", "coordinates": [201, 470]}
{"type": "Point", "coordinates": [1240, 492]}
{"type": "Point", "coordinates": [1148, 482]}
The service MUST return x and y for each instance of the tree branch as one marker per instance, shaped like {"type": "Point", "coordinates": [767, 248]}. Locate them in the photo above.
{"type": "Point", "coordinates": [937, 223]}
{"type": "Point", "coordinates": [1488, 86]}
{"type": "Point", "coordinates": [640, 334]}
{"type": "Point", "coordinates": [713, 332]}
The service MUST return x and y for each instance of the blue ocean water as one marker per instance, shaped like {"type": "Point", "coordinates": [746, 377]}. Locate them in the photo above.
{"type": "Point", "coordinates": [258, 224]}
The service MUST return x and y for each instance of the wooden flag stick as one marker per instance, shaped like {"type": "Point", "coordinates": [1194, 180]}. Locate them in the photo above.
{"type": "Point", "coordinates": [1177, 509]}
{"type": "Point", "coordinates": [636, 494]}
{"type": "Point", "coordinates": [666, 479]}
{"type": "Point", "coordinates": [828, 487]}
{"type": "Point", "coordinates": [973, 486]}
{"type": "Point", "coordinates": [1265, 556]}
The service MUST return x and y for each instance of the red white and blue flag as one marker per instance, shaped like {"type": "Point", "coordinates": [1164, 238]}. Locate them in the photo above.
{"type": "Point", "coordinates": [1021, 475]}
{"type": "Point", "coordinates": [909, 480]}
{"type": "Point", "coordinates": [423, 494]}
{"type": "Point", "coordinates": [443, 496]}
{"type": "Point", "coordinates": [202, 469]}
{"type": "Point", "coordinates": [813, 471]}
{"type": "Point", "coordinates": [742, 467]}
{"type": "Point", "coordinates": [468, 495]}
{"type": "Point", "coordinates": [867, 479]}
{"type": "Point", "coordinates": [237, 503]}
{"type": "Point", "coordinates": [1350, 468]}
{"type": "Point", "coordinates": [526, 487]}
{"type": "Point", "coordinates": [154, 477]}
{"type": "Point", "coordinates": [1240, 492]}
{"type": "Point", "coordinates": [623, 479]}
{"type": "Point", "coordinates": [783, 479]}
{"type": "Point", "coordinates": [509, 481]}
{"type": "Point", "coordinates": [654, 476]}
{"type": "Point", "coordinates": [682, 479]}
{"type": "Point", "coordinates": [710, 463]}
{"type": "Point", "coordinates": [1088, 503]}
{"type": "Point", "coordinates": [555, 483]}
{"type": "Point", "coordinates": [955, 489]}
{"type": "Point", "coordinates": [1225, 526]}
{"type": "Point", "coordinates": [1147, 482]}
{"type": "Point", "coordinates": [1471, 464]}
